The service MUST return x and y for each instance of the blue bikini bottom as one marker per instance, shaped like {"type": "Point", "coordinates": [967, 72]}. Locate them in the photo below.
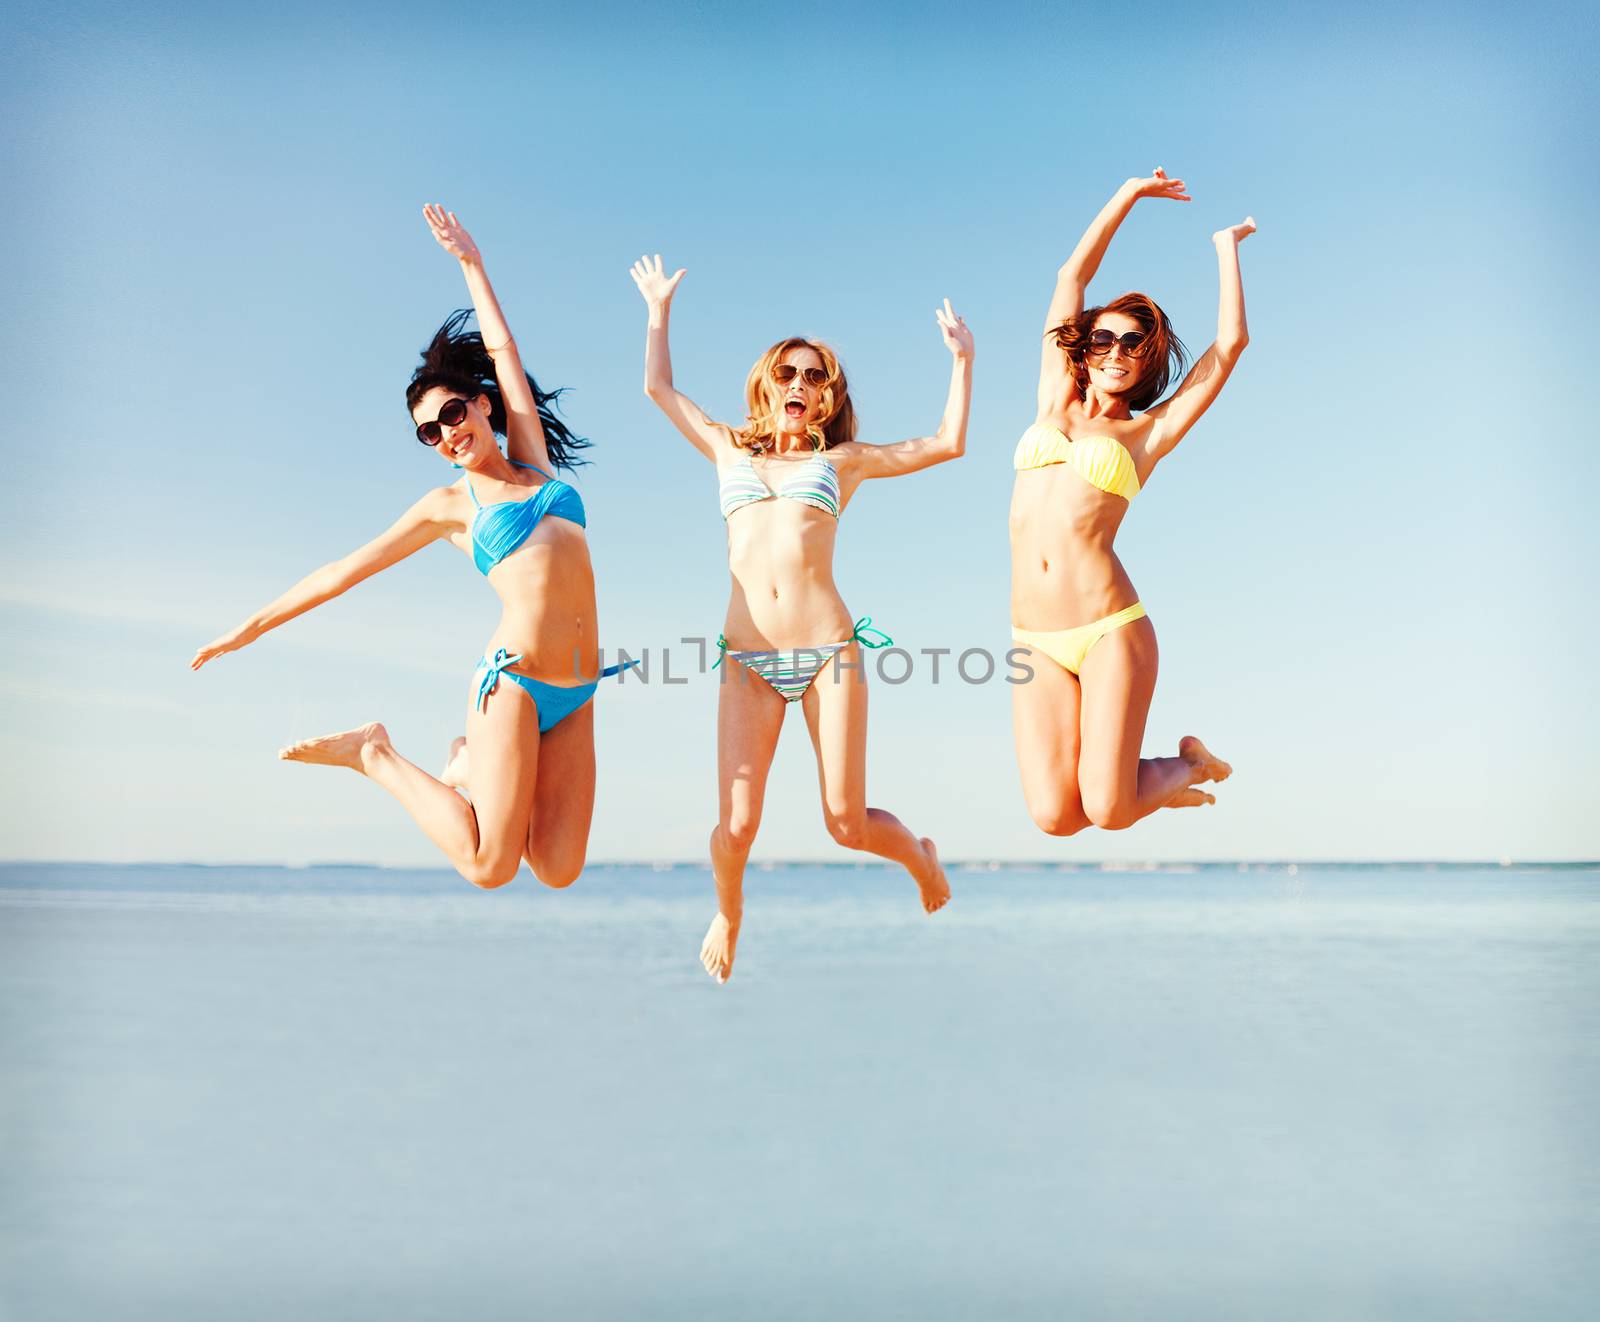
{"type": "Point", "coordinates": [553, 702]}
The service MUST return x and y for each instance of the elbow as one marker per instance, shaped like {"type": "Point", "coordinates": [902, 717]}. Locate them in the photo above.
{"type": "Point", "coordinates": [1070, 281]}
{"type": "Point", "coordinates": [333, 580]}
{"type": "Point", "coordinates": [1234, 345]}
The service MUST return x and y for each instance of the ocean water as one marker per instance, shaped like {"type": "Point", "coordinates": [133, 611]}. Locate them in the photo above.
{"type": "Point", "coordinates": [342, 1093]}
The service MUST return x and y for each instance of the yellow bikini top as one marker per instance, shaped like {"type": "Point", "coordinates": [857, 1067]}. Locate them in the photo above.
{"type": "Point", "coordinates": [1098, 460]}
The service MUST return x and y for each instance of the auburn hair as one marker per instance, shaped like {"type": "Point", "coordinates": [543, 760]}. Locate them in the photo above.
{"type": "Point", "coordinates": [1162, 352]}
{"type": "Point", "coordinates": [763, 400]}
{"type": "Point", "coordinates": [457, 361]}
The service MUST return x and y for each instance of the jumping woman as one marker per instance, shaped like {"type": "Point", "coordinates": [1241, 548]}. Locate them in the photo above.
{"type": "Point", "coordinates": [1076, 619]}
{"type": "Point", "coordinates": [530, 728]}
{"type": "Point", "coordinates": [786, 476]}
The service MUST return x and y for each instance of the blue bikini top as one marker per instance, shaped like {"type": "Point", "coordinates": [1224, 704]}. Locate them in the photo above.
{"type": "Point", "coordinates": [497, 530]}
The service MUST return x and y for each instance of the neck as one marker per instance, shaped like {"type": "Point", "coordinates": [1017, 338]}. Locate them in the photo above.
{"type": "Point", "coordinates": [1098, 404]}
{"type": "Point", "coordinates": [787, 443]}
{"type": "Point", "coordinates": [496, 467]}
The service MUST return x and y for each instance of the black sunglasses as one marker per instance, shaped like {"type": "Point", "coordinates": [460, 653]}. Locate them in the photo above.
{"type": "Point", "coordinates": [453, 414]}
{"type": "Point", "coordinates": [1100, 341]}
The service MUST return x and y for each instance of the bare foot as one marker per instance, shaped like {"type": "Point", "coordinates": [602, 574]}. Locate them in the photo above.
{"type": "Point", "coordinates": [348, 749]}
{"type": "Point", "coordinates": [1236, 234]}
{"type": "Point", "coordinates": [1212, 767]}
{"type": "Point", "coordinates": [716, 951]}
{"type": "Point", "coordinates": [934, 886]}
{"type": "Point", "coordinates": [1191, 797]}
{"type": "Point", "coordinates": [455, 765]}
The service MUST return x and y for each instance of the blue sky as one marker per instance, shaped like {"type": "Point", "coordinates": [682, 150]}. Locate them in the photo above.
{"type": "Point", "coordinates": [1370, 567]}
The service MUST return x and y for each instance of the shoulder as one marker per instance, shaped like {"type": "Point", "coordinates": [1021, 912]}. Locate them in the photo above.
{"type": "Point", "coordinates": [443, 504]}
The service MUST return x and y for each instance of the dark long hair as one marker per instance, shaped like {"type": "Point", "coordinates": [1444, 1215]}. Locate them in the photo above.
{"type": "Point", "coordinates": [1162, 349]}
{"type": "Point", "coordinates": [456, 360]}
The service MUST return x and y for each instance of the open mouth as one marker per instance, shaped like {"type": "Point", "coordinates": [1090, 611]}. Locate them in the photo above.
{"type": "Point", "coordinates": [794, 408]}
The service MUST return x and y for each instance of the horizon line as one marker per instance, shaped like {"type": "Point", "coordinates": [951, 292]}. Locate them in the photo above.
{"type": "Point", "coordinates": [988, 864]}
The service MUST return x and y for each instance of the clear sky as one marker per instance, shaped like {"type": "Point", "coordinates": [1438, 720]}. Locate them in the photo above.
{"type": "Point", "coordinates": [1371, 567]}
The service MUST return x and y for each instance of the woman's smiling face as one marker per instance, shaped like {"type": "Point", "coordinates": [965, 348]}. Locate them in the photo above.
{"type": "Point", "coordinates": [1113, 370]}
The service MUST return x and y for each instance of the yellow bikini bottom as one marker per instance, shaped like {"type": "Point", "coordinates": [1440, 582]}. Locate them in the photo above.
{"type": "Point", "coordinates": [1068, 647]}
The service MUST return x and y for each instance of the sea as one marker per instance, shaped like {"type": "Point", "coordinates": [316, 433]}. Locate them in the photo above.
{"type": "Point", "coordinates": [1224, 1091]}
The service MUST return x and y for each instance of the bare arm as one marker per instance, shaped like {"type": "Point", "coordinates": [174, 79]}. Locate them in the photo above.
{"type": "Point", "coordinates": [1072, 280]}
{"type": "Point", "coordinates": [424, 522]}
{"type": "Point", "coordinates": [1211, 371]}
{"type": "Point", "coordinates": [657, 288]}
{"type": "Point", "coordinates": [525, 441]}
{"type": "Point", "coordinates": [950, 440]}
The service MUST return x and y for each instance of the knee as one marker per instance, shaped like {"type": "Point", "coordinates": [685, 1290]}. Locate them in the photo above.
{"type": "Point", "coordinates": [491, 873]}
{"type": "Point", "coordinates": [848, 828]}
{"type": "Point", "coordinates": [739, 832]}
{"type": "Point", "coordinates": [1110, 812]}
{"type": "Point", "coordinates": [557, 876]}
{"type": "Point", "coordinates": [1059, 819]}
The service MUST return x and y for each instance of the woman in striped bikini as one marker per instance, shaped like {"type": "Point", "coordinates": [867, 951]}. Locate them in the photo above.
{"type": "Point", "coordinates": [786, 476]}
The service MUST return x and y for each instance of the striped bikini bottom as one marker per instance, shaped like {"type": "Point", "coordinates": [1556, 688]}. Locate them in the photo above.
{"type": "Point", "coordinates": [791, 672]}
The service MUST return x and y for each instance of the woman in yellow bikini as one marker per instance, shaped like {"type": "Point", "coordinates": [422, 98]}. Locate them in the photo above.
{"type": "Point", "coordinates": [1077, 622]}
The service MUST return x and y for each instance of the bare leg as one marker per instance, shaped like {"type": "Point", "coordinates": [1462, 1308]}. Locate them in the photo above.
{"type": "Point", "coordinates": [1117, 679]}
{"type": "Point", "coordinates": [455, 764]}
{"type": "Point", "coordinates": [563, 800]}
{"type": "Point", "coordinates": [1044, 720]}
{"type": "Point", "coordinates": [836, 714]}
{"type": "Point", "coordinates": [483, 839]}
{"type": "Point", "coordinates": [749, 719]}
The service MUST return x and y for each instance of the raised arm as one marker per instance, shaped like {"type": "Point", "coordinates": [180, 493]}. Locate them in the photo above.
{"type": "Point", "coordinates": [424, 522]}
{"type": "Point", "coordinates": [1211, 371]}
{"type": "Point", "coordinates": [525, 443]}
{"type": "Point", "coordinates": [1072, 280]}
{"type": "Point", "coordinates": [949, 441]}
{"type": "Point", "coordinates": [657, 288]}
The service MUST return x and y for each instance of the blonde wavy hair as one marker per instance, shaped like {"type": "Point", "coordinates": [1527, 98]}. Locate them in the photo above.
{"type": "Point", "coordinates": [763, 400]}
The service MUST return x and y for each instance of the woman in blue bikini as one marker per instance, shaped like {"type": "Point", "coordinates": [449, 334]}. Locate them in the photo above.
{"type": "Point", "coordinates": [786, 476]}
{"type": "Point", "coordinates": [531, 726]}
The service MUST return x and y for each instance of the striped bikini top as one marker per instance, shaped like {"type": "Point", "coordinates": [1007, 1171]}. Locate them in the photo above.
{"type": "Point", "coordinates": [499, 529]}
{"type": "Point", "coordinates": [814, 483]}
{"type": "Point", "coordinates": [1101, 461]}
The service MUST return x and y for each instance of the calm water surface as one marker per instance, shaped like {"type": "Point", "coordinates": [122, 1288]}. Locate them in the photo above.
{"type": "Point", "coordinates": [355, 1094]}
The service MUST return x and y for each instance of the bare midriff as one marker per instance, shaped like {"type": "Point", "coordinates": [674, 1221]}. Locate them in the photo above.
{"type": "Point", "coordinates": [546, 591]}
{"type": "Point", "coordinates": [780, 553]}
{"type": "Point", "coordinates": [1064, 572]}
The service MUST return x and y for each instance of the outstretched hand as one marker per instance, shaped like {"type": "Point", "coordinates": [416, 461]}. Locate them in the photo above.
{"type": "Point", "coordinates": [957, 338]}
{"type": "Point", "coordinates": [231, 641]}
{"type": "Point", "coordinates": [451, 234]}
{"type": "Point", "coordinates": [1158, 185]}
{"type": "Point", "coordinates": [653, 281]}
